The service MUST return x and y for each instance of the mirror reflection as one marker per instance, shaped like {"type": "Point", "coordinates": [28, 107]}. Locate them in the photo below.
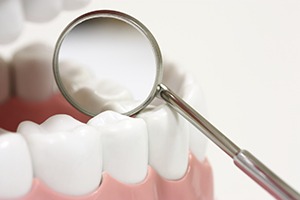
{"type": "Point", "coordinates": [106, 64]}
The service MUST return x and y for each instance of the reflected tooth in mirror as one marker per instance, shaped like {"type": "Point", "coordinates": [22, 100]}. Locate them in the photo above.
{"type": "Point", "coordinates": [32, 71]}
{"type": "Point", "coordinates": [168, 141]}
{"type": "Point", "coordinates": [74, 78]}
{"type": "Point", "coordinates": [98, 100]}
{"type": "Point", "coordinates": [66, 154]}
{"type": "Point", "coordinates": [42, 10]}
{"type": "Point", "coordinates": [15, 169]}
{"type": "Point", "coordinates": [125, 146]}
{"type": "Point", "coordinates": [74, 4]}
{"type": "Point", "coordinates": [11, 20]}
{"type": "Point", "coordinates": [4, 81]}
{"type": "Point", "coordinates": [89, 92]}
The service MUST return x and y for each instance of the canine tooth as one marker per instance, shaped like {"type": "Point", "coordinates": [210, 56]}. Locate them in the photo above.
{"type": "Point", "coordinates": [125, 146]}
{"type": "Point", "coordinates": [198, 140]}
{"type": "Point", "coordinates": [186, 87]}
{"type": "Point", "coordinates": [42, 10]}
{"type": "Point", "coordinates": [4, 81]}
{"type": "Point", "coordinates": [168, 141]}
{"type": "Point", "coordinates": [74, 4]}
{"type": "Point", "coordinates": [16, 168]}
{"type": "Point", "coordinates": [32, 70]}
{"type": "Point", "coordinates": [11, 20]}
{"type": "Point", "coordinates": [66, 154]}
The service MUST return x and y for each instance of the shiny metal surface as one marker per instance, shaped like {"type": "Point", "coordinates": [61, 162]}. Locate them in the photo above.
{"type": "Point", "coordinates": [264, 176]}
{"type": "Point", "coordinates": [198, 121]}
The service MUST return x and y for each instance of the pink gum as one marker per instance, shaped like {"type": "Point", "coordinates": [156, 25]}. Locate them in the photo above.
{"type": "Point", "coordinates": [197, 184]}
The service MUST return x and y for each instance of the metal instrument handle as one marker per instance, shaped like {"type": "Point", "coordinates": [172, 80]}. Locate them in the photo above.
{"type": "Point", "coordinates": [242, 158]}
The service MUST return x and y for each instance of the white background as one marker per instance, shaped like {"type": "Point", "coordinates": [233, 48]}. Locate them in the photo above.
{"type": "Point", "coordinates": [245, 55]}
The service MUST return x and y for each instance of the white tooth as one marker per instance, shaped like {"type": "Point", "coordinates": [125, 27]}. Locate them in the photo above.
{"type": "Point", "coordinates": [42, 10]}
{"type": "Point", "coordinates": [73, 76]}
{"type": "Point", "coordinates": [198, 141]}
{"type": "Point", "coordinates": [190, 91]}
{"type": "Point", "coordinates": [11, 20]}
{"type": "Point", "coordinates": [74, 4]}
{"type": "Point", "coordinates": [32, 68]}
{"type": "Point", "coordinates": [106, 96]}
{"type": "Point", "coordinates": [4, 81]}
{"type": "Point", "coordinates": [15, 169]}
{"type": "Point", "coordinates": [168, 142]}
{"type": "Point", "coordinates": [102, 95]}
{"type": "Point", "coordinates": [125, 146]}
{"type": "Point", "coordinates": [66, 154]}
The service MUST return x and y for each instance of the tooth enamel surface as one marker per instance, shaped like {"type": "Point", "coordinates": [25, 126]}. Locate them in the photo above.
{"type": "Point", "coordinates": [11, 20]}
{"type": "Point", "coordinates": [74, 4]}
{"type": "Point", "coordinates": [32, 70]}
{"type": "Point", "coordinates": [15, 169]}
{"type": "Point", "coordinates": [42, 10]}
{"type": "Point", "coordinates": [102, 94]}
{"type": "Point", "coordinates": [168, 142]}
{"type": "Point", "coordinates": [4, 81]}
{"type": "Point", "coordinates": [66, 154]}
{"type": "Point", "coordinates": [125, 146]}
{"type": "Point", "coordinates": [198, 140]}
{"type": "Point", "coordinates": [189, 90]}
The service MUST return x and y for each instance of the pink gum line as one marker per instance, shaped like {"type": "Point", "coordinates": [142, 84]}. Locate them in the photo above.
{"type": "Point", "coordinates": [197, 184]}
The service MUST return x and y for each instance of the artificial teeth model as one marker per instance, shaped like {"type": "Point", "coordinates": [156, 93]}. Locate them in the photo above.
{"type": "Point", "coordinates": [49, 150]}
{"type": "Point", "coordinates": [64, 154]}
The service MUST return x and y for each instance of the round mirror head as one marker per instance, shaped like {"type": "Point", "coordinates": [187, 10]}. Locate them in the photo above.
{"type": "Point", "coordinates": [107, 60]}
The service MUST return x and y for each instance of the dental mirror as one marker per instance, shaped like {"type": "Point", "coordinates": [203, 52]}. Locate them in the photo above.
{"type": "Point", "coordinates": [108, 60]}
{"type": "Point", "coordinates": [95, 59]}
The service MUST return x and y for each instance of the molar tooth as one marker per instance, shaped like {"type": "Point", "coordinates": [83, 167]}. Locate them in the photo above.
{"type": "Point", "coordinates": [103, 94]}
{"type": "Point", "coordinates": [11, 20]}
{"type": "Point", "coordinates": [15, 168]}
{"type": "Point", "coordinates": [125, 146]}
{"type": "Point", "coordinates": [42, 10]}
{"type": "Point", "coordinates": [32, 70]}
{"type": "Point", "coordinates": [168, 141]}
{"type": "Point", "coordinates": [4, 81]}
{"type": "Point", "coordinates": [74, 4]}
{"type": "Point", "coordinates": [66, 153]}
{"type": "Point", "coordinates": [107, 96]}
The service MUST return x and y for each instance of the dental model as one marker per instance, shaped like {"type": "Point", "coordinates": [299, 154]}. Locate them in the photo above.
{"type": "Point", "coordinates": [58, 153]}
{"type": "Point", "coordinates": [49, 150]}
